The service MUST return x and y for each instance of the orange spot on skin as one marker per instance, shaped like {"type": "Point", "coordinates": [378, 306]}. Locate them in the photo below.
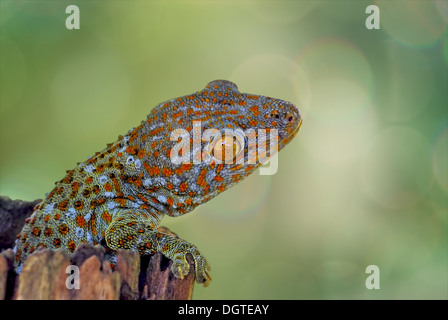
{"type": "Point", "coordinates": [253, 122]}
{"type": "Point", "coordinates": [79, 205]}
{"type": "Point", "coordinates": [121, 201]}
{"type": "Point", "coordinates": [93, 204]}
{"type": "Point", "coordinates": [86, 192]}
{"type": "Point", "coordinates": [57, 242]}
{"type": "Point", "coordinates": [62, 206]}
{"type": "Point", "coordinates": [154, 200]}
{"type": "Point", "coordinates": [75, 186]}
{"type": "Point", "coordinates": [106, 217]}
{"type": "Point", "coordinates": [236, 177]}
{"type": "Point", "coordinates": [63, 229]}
{"type": "Point", "coordinates": [155, 171]}
{"type": "Point", "coordinates": [96, 189]}
{"type": "Point", "coordinates": [116, 184]}
{"type": "Point", "coordinates": [48, 232]}
{"type": "Point", "coordinates": [254, 110]}
{"type": "Point", "coordinates": [201, 178]}
{"type": "Point", "coordinates": [107, 187]}
{"type": "Point", "coordinates": [248, 168]}
{"type": "Point", "coordinates": [142, 198]}
{"type": "Point", "coordinates": [183, 187]}
{"type": "Point", "coordinates": [183, 168]}
{"type": "Point", "coordinates": [36, 231]}
{"type": "Point", "coordinates": [156, 131]}
{"type": "Point", "coordinates": [80, 221]}
{"type": "Point", "coordinates": [137, 182]}
{"type": "Point", "coordinates": [71, 246]}
{"type": "Point", "coordinates": [177, 115]}
{"type": "Point", "coordinates": [167, 172]}
{"type": "Point", "coordinates": [141, 153]}
{"type": "Point", "coordinates": [132, 150]}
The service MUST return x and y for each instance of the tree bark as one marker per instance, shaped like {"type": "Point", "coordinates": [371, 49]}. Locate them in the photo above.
{"type": "Point", "coordinates": [54, 275]}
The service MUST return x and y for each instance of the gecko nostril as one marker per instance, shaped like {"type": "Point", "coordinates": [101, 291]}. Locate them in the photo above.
{"type": "Point", "coordinates": [290, 118]}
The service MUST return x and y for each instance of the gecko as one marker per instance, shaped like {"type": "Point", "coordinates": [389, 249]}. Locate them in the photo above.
{"type": "Point", "coordinates": [117, 197]}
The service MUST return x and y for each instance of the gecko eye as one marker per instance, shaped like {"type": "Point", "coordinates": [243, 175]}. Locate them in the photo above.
{"type": "Point", "coordinates": [226, 148]}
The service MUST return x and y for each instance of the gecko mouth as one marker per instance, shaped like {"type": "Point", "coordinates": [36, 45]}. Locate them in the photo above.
{"type": "Point", "coordinates": [297, 129]}
{"type": "Point", "coordinates": [291, 135]}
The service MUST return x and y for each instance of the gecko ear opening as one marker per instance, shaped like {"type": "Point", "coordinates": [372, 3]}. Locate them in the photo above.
{"type": "Point", "coordinates": [222, 84]}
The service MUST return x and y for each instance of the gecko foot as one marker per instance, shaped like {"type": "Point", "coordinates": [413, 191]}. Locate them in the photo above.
{"type": "Point", "coordinates": [181, 268]}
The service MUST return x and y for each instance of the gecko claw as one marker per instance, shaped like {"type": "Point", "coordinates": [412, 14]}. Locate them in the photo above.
{"type": "Point", "coordinates": [181, 268]}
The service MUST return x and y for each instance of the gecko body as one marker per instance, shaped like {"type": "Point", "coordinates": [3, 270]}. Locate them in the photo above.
{"type": "Point", "coordinates": [118, 196]}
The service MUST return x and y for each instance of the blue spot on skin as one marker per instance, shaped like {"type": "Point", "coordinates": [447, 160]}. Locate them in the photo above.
{"type": "Point", "coordinates": [89, 168]}
{"type": "Point", "coordinates": [49, 208]}
{"type": "Point", "coordinates": [79, 232]}
{"type": "Point", "coordinates": [71, 213]}
{"type": "Point", "coordinates": [89, 237]}
{"type": "Point", "coordinates": [112, 205]}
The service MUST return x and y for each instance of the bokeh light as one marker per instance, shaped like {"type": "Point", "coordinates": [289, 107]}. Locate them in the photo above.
{"type": "Point", "coordinates": [12, 59]}
{"type": "Point", "coordinates": [397, 168]}
{"type": "Point", "coordinates": [406, 103]}
{"type": "Point", "coordinates": [413, 23]}
{"type": "Point", "coordinates": [440, 159]}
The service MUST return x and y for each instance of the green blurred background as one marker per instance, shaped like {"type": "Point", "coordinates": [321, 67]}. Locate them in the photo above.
{"type": "Point", "coordinates": [364, 182]}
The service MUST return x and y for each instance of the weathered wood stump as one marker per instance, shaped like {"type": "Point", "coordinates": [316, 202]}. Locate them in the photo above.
{"type": "Point", "coordinates": [53, 275]}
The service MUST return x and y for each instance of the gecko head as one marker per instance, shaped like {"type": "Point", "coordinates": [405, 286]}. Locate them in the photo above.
{"type": "Point", "coordinates": [217, 137]}
{"type": "Point", "coordinates": [277, 119]}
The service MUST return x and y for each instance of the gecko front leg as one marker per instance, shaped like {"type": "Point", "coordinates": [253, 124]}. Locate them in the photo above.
{"type": "Point", "coordinates": [131, 230]}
